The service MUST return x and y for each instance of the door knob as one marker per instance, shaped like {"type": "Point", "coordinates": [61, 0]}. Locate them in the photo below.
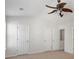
{"type": "Point", "coordinates": [27, 40]}
{"type": "Point", "coordinates": [44, 40]}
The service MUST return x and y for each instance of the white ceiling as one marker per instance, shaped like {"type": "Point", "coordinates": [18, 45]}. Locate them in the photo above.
{"type": "Point", "coordinates": [31, 7]}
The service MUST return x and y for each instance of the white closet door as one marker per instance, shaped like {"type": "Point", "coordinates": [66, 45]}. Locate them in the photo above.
{"type": "Point", "coordinates": [40, 39]}
{"type": "Point", "coordinates": [23, 39]}
{"type": "Point", "coordinates": [46, 38]}
{"type": "Point", "coordinates": [11, 40]}
{"type": "Point", "coordinates": [55, 39]}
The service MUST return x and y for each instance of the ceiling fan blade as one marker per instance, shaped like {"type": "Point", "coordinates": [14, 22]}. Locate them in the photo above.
{"type": "Point", "coordinates": [52, 11]}
{"type": "Point", "coordinates": [51, 7]}
{"type": "Point", "coordinates": [67, 10]}
{"type": "Point", "coordinates": [61, 5]}
{"type": "Point", "coordinates": [58, 1]}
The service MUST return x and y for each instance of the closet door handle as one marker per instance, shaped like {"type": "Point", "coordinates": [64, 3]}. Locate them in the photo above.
{"type": "Point", "coordinates": [45, 40]}
{"type": "Point", "coordinates": [27, 41]}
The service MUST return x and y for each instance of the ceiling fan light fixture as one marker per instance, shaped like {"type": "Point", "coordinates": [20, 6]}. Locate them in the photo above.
{"type": "Point", "coordinates": [59, 7]}
{"type": "Point", "coordinates": [21, 9]}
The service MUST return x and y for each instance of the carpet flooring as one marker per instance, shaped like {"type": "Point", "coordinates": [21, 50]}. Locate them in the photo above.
{"type": "Point", "coordinates": [45, 55]}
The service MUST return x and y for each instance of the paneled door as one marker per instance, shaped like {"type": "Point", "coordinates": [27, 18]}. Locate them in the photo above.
{"type": "Point", "coordinates": [40, 38]}
{"type": "Point", "coordinates": [11, 44]}
{"type": "Point", "coordinates": [22, 39]}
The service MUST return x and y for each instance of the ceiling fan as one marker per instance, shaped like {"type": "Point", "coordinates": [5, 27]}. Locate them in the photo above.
{"type": "Point", "coordinates": [59, 7]}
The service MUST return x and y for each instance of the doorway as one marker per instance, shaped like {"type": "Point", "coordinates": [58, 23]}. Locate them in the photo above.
{"type": "Point", "coordinates": [62, 32]}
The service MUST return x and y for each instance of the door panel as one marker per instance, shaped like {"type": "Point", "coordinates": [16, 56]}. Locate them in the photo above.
{"type": "Point", "coordinates": [55, 39]}
{"type": "Point", "coordinates": [23, 39]}
{"type": "Point", "coordinates": [11, 40]}
{"type": "Point", "coordinates": [40, 38]}
{"type": "Point", "coordinates": [47, 38]}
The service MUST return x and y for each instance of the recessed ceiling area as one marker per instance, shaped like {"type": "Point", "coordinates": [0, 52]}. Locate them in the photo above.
{"type": "Point", "coordinates": [24, 7]}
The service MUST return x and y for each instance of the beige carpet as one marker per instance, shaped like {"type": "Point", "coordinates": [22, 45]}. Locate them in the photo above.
{"type": "Point", "coordinates": [46, 55]}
